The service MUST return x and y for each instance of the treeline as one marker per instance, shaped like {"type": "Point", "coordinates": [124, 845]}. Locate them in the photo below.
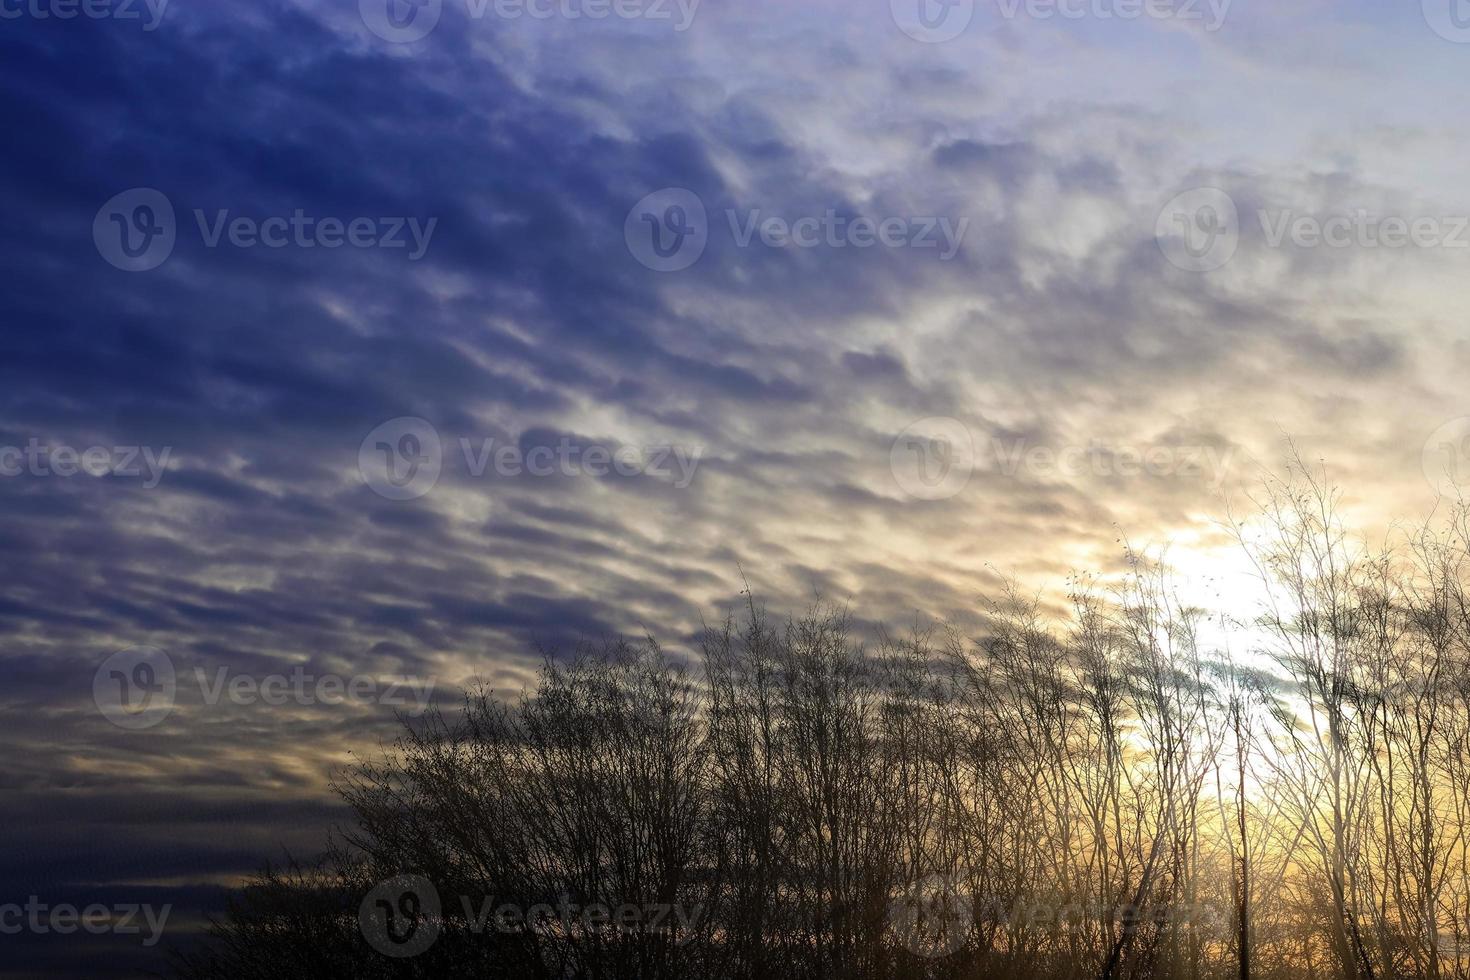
{"type": "Point", "coordinates": [1130, 788]}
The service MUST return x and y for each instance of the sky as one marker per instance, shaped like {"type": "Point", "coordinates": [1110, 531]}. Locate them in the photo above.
{"type": "Point", "coordinates": [352, 354]}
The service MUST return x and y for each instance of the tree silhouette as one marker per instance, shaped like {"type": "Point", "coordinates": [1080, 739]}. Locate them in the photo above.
{"type": "Point", "coordinates": [1090, 792]}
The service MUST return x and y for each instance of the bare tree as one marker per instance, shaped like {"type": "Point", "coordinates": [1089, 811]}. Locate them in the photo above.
{"type": "Point", "coordinates": [1095, 785]}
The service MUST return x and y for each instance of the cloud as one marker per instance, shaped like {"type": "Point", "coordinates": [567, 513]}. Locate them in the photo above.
{"type": "Point", "coordinates": [1057, 326]}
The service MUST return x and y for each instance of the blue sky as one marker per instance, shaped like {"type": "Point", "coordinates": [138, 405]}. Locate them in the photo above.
{"type": "Point", "coordinates": [751, 413]}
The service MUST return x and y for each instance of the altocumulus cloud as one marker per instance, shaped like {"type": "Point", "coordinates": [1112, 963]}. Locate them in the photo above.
{"type": "Point", "coordinates": [526, 320]}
